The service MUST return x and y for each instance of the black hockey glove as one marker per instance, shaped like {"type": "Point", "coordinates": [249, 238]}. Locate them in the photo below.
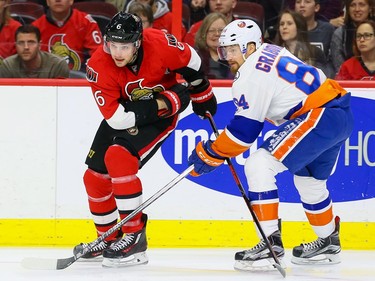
{"type": "Point", "coordinates": [176, 98]}
{"type": "Point", "coordinates": [203, 99]}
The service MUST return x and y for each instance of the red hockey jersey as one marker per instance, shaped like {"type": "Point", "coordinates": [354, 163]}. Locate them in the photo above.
{"type": "Point", "coordinates": [79, 35]}
{"type": "Point", "coordinates": [160, 55]}
{"type": "Point", "coordinates": [7, 38]}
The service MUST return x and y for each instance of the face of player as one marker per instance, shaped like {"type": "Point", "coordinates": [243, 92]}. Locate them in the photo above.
{"type": "Point", "coordinates": [213, 34]}
{"type": "Point", "coordinates": [359, 10]}
{"type": "Point", "coordinates": [233, 55]}
{"type": "Point", "coordinates": [307, 8]}
{"type": "Point", "coordinates": [59, 6]}
{"type": "Point", "coordinates": [365, 38]}
{"type": "Point", "coordinates": [122, 53]}
{"type": "Point", "coordinates": [27, 46]}
{"type": "Point", "coordinates": [287, 28]}
{"type": "Point", "coordinates": [222, 6]}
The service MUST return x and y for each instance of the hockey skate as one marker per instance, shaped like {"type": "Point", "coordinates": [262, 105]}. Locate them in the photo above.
{"type": "Point", "coordinates": [95, 254]}
{"type": "Point", "coordinates": [259, 257]}
{"type": "Point", "coordinates": [128, 250]}
{"type": "Point", "coordinates": [320, 251]}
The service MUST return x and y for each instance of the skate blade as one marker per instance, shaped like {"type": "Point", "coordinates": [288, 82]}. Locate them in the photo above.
{"type": "Point", "coordinates": [136, 259]}
{"type": "Point", "coordinates": [96, 259]}
{"type": "Point", "coordinates": [323, 259]}
{"type": "Point", "coordinates": [259, 265]}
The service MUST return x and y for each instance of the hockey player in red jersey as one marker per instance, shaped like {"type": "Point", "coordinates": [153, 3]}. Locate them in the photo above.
{"type": "Point", "coordinates": [314, 119]}
{"type": "Point", "coordinates": [133, 81]}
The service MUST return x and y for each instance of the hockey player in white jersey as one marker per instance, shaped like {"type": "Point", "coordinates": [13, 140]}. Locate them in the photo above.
{"type": "Point", "coordinates": [314, 119]}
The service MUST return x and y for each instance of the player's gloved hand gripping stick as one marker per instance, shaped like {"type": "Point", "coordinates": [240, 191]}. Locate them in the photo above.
{"type": "Point", "coordinates": [277, 264]}
{"type": "Point", "coordinates": [43, 263]}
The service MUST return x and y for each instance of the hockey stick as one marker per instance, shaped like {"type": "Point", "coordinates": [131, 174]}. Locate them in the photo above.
{"type": "Point", "coordinates": [42, 263]}
{"type": "Point", "coordinates": [247, 200]}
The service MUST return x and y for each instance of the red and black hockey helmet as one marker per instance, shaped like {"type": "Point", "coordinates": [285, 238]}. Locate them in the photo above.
{"type": "Point", "coordinates": [124, 28]}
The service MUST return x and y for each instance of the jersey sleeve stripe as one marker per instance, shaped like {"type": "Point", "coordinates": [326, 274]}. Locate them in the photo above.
{"type": "Point", "coordinates": [226, 147]}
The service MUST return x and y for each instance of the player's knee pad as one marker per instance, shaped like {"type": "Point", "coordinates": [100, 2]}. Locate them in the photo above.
{"type": "Point", "coordinates": [97, 185]}
{"type": "Point", "coordinates": [310, 189]}
{"type": "Point", "coordinates": [120, 162]}
{"type": "Point", "coordinates": [260, 169]}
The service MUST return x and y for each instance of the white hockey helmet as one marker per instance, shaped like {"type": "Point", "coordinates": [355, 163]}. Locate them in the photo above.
{"type": "Point", "coordinates": [240, 32]}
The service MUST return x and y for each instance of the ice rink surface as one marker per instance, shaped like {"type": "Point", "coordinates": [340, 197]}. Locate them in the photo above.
{"type": "Point", "coordinates": [211, 264]}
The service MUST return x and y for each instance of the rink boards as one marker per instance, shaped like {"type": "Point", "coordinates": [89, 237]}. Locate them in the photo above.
{"type": "Point", "coordinates": [46, 130]}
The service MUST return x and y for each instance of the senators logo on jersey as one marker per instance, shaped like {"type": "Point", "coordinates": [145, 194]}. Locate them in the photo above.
{"type": "Point", "coordinates": [135, 91]}
{"type": "Point", "coordinates": [57, 46]}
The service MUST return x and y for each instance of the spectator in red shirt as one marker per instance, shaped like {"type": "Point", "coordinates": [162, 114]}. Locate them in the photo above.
{"type": "Point", "coordinates": [69, 33]}
{"type": "Point", "coordinates": [8, 27]}
{"type": "Point", "coordinates": [362, 65]}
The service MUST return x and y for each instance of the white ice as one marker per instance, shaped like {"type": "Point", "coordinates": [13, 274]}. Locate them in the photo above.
{"type": "Point", "coordinates": [210, 264]}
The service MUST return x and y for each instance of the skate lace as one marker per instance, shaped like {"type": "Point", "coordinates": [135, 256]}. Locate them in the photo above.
{"type": "Point", "coordinates": [123, 243]}
{"type": "Point", "coordinates": [99, 247]}
{"type": "Point", "coordinates": [313, 245]}
{"type": "Point", "coordinates": [257, 247]}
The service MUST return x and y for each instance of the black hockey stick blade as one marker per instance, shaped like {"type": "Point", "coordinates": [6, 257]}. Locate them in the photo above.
{"type": "Point", "coordinates": [277, 263]}
{"type": "Point", "coordinates": [52, 264]}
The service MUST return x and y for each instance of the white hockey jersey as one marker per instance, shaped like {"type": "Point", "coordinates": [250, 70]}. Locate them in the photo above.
{"type": "Point", "coordinates": [273, 85]}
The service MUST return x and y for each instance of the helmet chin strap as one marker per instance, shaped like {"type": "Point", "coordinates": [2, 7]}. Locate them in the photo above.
{"type": "Point", "coordinates": [244, 52]}
{"type": "Point", "coordinates": [135, 55]}
{"type": "Point", "coordinates": [134, 58]}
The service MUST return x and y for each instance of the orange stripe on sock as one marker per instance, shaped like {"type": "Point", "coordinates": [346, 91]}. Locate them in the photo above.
{"type": "Point", "coordinates": [266, 212]}
{"type": "Point", "coordinates": [286, 146]}
{"type": "Point", "coordinates": [320, 219]}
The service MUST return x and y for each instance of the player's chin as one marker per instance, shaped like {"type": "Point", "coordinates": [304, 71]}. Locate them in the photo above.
{"type": "Point", "coordinates": [234, 68]}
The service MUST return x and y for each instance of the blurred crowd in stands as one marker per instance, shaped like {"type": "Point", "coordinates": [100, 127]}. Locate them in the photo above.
{"type": "Point", "coordinates": [55, 38]}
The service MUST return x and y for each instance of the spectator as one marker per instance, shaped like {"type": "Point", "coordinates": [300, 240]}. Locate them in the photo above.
{"type": "Point", "coordinates": [144, 12]}
{"type": "Point", "coordinates": [272, 9]}
{"type": "Point", "coordinates": [30, 61]}
{"type": "Point", "coordinates": [342, 39]}
{"type": "Point", "coordinates": [8, 27]}
{"type": "Point", "coordinates": [163, 17]}
{"type": "Point", "coordinates": [330, 11]}
{"type": "Point", "coordinates": [206, 43]}
{"type": "Point", "coordinates": [69, 33]}
{"type": "Point", "coordinates": [119, 4]}
{"type": "Point", "coordinates": [198, 9]}
{"type": "Point", "coordinates": [362, 65]}
{"type": "Point", "coordinates": [319, 32]}
{"type": "Point", "coordinates": [292, 35]}
{"type": "Point", "coordinates": [221, 6]}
